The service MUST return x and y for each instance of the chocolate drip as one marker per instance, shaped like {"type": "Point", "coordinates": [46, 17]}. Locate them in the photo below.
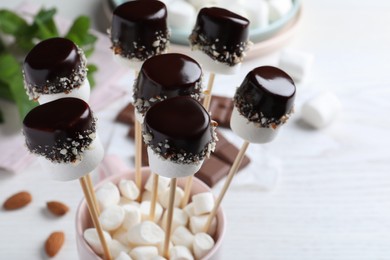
{"type": "Point", "coordinates": [165, 76]}
{"type": "Point", "coordinates": [221, 34]}
{"type": "Point", "coordinates": [266, 96]}
{"type": "Point", "coordinates": [179, 129]}
{"type": "Point", "coordinates": [53, 66]}
{"type": "Point", "coordinates": [139, 29]}
{"type": "Point", "coordinates": [59, 130]}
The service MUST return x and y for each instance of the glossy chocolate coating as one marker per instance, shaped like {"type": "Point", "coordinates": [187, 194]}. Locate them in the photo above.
{"type": "Point", "coordinates": [267, 90]}
{"type": "Point", "coordinates": [138, 24]}
{"type": "Point", "coordinates": [229, 28]}
{"type": "Point", "coordinates": [56, 125]}
{"type": "Point", "coordinates": [50, 60]}
{"type": "Point", "coordinates": [166, 76]}
{"type": "Point", "coordinates": [183, 122]}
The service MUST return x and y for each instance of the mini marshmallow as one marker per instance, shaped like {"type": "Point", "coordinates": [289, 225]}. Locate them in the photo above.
{"type": "Point", "coordinates": [180, 253]}
{"type": "Point", "coordinates": [197, 224]}
{"type": "Point", "coordinates": [107, 195]}
{"type": "Point", "coordinates": [258, 16]}
{"type": "Point", "coordinates": [203, 243]}
{"type": "Point", "coordinates": [146, 233]}
{"type": "Point", "coordinates": [121, 235]}
{"type": "Point", "coordinates": [123, 256]}
{"type": "Point", "coordinates": [112, 217]}
{"type": "Point", "coordinates": [116, 248]}
{"type": "Point", "coordinates": [132, 216]}
{"type": "Point", "coordinates": [128, 189]}
{"type": "Point", "coordinates": [214, 66]}
{"type": "Point", "coordinates": [296, 63]}
{"type": "Point", "coordinates": [163, 184]}
{"type": "Point", "coordinates": [145, 211]}
{"type": "Point", "coordinates": [278, 8]}
{"type": "Point", "coordinates": [82, 92]}
{"type": "Point", "coordinates": [203, 203]}
{"type": "Point", "coordinates": [158, 258]}
{"type": "Point", "coordinates": [91, 158]}
{"type": "Point", "coordinates": [249, 131]}
{"type": "Point", "coordinates": [160, 247]}
{"type": "Point", "coordinates": [164, 197]}
{"type": "Point", "coordinates": [321, 110]}
{"type": "Point", "coordinates": [123, 202]}
{"type": "Point", "coordinates": [182, 15]}
{"type": "Point", "coordinates": [92, 238]}
{"type": "Point", "coordinates": [179, 218]}
{"type": "Point", "coordinates": [182, 237]}
{"type": "Point", "coordinates": [144, 252]}
{"type": "Point", "coordinates": [198, 4]}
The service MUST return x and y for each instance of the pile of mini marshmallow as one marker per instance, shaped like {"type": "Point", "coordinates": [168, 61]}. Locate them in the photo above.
{"type": "Point", "coordinates": [261, 13]}
{"type": "Point", "coordinates": [130, 233]}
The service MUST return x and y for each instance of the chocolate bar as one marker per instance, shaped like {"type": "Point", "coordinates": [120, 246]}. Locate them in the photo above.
{"type": "Point", "coordinates": [221, 110]}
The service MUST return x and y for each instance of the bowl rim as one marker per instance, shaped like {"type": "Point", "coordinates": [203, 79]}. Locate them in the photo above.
{"type": "Point", "coordinates": [146, 170]}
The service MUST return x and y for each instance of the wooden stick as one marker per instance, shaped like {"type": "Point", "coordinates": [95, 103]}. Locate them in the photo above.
{"type": "Point", "coordinates": [187, 191]}
{"type": "Point", "coordinates": [232, 172]}
{"type": "Point", "coordinates": [93, 194]}
{"type": "Point", "coordinates": [94, 216]}
{"type": "Point", "coordinates": [138, 157]}
{"type": "Point", "coordinates": [169, 217]}
{"type": "Point", "coordinates": [152, 212]}
{"type": "Point", "coordinates": [207, 98]}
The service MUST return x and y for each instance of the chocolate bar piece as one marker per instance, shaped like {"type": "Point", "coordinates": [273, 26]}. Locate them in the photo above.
{"type": "Point", "coordinates": [126, 115]}
{"type": "Point", "coordinates": [221, 110]}
{"type": "Point", "coordinates": [213, 170]}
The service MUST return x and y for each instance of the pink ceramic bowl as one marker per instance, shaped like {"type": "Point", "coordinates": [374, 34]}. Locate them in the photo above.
{"type": "Point", "coordinates": [83, 220]}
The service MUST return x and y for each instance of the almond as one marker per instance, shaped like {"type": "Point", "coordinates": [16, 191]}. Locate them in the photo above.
{"type": "Point", "coordinates": [57, 208]}
{"type": "Point", "coordinates": [54, 243]}
{"type": "Point", "coordinates": [17, 201]}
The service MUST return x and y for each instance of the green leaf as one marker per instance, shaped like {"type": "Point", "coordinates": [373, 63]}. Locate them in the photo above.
{"type": "Point", "coordinates": [11, 23]}
{"type": "Point", "coordinates": [44, 24]}
{"type": "Point", "coordinates": [91, 72]}
{"type": "Point", "coordinates": [80, 35]}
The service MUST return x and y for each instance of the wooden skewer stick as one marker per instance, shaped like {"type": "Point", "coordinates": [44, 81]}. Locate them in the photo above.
{"type": "Point", "coordinates": [94, 216]}
{"type": "Point", "coordinates": [232, 172]}
{"type": "Point", "coordinates": [138, 157]}
{"type": "Point", "coordinates": [93, 194]}
{"type": "Point", "coordinates": [152, 212]}
{"type": "Point", "coordinates": [169, 217]}
{"type": "Point", "coordinates": [206, 105]}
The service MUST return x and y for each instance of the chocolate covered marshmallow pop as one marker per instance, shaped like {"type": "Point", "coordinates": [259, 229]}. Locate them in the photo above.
{"type": "Point", "coordinates": [62, 133]}
{"type": "Point", "coordinates": [139, 31]}
{"type": "Point", "coordinates": [56, 68]}
{"type": "Point", "coordinates": [262, 104]}
{"type": "Point", "coordinates": [162, 77]}
{"type": "Point", "coordinates": [179, 135]}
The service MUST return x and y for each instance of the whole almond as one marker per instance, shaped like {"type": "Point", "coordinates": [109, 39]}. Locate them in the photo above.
{"type": "Point", "coordinates": [54, 243]}
{"type": "Point", "coordinates": [57, 208]}
{"type": "Point", "coordinates": [17, 201]}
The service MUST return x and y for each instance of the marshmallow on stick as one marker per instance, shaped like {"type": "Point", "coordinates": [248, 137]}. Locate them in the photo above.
{"type": "Point", "coordinates": [179, 135]}
{"type": "Point", "coordinates": [63, 134]}
{"type": "Point", "coordinates": [262, 104]}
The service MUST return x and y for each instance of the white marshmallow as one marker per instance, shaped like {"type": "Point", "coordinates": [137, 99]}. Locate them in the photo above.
{"type": "Point", "coordinates": [132, 216]}
{"type": "Point", "coordinates": [82, 92]}
{"type": "Point", "coordinates": [129, 189]}
{"type": "Point", "coordinates": [163, 184]}
{"type": "Point", "coordinates": [91, 158]}
{"type": "Point", "coordinates": [182, 237]}
{"type": "Point", "coordinates": [144, 252]}
{"type": "Point", "coordinates": [199, 4]}
{"type": "Point", "coordinates": [158, 258]}
{"type": "Point", "coordinates": [112, 217]}
{"type": "Point", "coordinates": [167, 168]}
{"type": "Point", "coordinates": [107, 195]}
{"type": "Point", "coordinates": [146, 196]}
{"type": "Point", "coordinates": [92, 238]}
{"type": "Point", "coordinates": [321, 110]}
{"type": "Point", "coordinates": [259, 16]}
{"type": "Point", "coordinates": [211, 65]}
{"type": "Point", "coordinates": [296, 63]}
{"type": "Point", "coordinates": [249, 131]}
{"type": "Point", "coordinates": [146, 233]}
{"type": "Point", "coordinates": [203, 243]}
{"type": "Point", "coordinates": [190, 209]}
{"type": "Point", "coordinates": [123, 256]}
{"type": "Point", "coordinates": [278, 8]}
{"type": "Point", "coordinates": [121, 235]}
{"type": "Point", "coordinates": [164, 197]}
{"type": "Point", "coordinates": [203, 203]}
{"type": "Point", "coordinates": [123, 201]}
{"type": "Point", "coordinates": [179, 218]}
{"type": "Point", "coordinates": [182, 15]}
{"type": "Point", "coordinates": [135, 64]}
{"type": "Point", "coordinates": [116, 248]}
{"type": "Point", "coordinates": [197, 223]}
{"type": "Point", "coordinates": [145, 211]}
{"type": "Point", "coordinates": [160, 247]}
{"type": "Point", "coordinates": [180, 253]}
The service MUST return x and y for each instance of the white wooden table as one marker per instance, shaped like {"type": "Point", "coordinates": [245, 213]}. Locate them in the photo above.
{"type": "Point", "coordinates": [332, 200]}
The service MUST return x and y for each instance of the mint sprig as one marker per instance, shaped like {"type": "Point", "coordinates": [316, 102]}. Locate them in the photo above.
{"type": "Point", "coordinates": [23, 37]}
